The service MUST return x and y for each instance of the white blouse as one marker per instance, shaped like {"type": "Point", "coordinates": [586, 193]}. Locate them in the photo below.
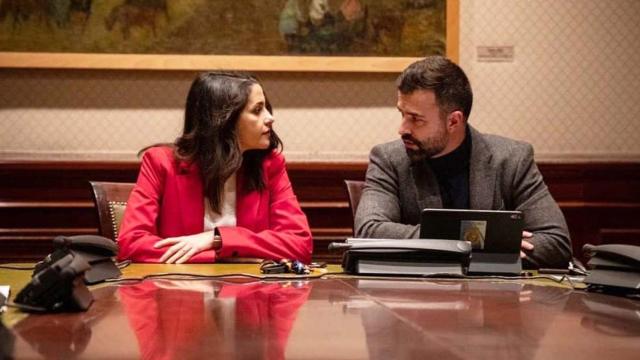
{"type": "Point", "coordinates": [227, 217]}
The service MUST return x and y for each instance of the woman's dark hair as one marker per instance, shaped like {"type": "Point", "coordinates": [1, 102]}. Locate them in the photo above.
{"type": "Point", "coordinates": [447, 80]}
{"type": "Point", "coordinates": [209, 138]}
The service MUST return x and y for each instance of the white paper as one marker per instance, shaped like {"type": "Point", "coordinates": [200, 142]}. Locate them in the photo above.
{"type": "Point", "coordinates": [4, 290]}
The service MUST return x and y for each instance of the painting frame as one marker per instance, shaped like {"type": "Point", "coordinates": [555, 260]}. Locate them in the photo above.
{"type": "Point", "coordinates": [44, 60]}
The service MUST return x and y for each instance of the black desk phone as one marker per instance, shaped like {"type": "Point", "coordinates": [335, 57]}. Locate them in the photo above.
{"type": "Point", "coordinates": [59, 281]}
{"type": "Point", "coordinates": [613, 268]}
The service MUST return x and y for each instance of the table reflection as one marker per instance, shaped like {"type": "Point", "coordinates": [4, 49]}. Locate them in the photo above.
{"type": "Point", "coordinates": [455, 319]}
{"type": "Point", "coordinates": [65, 335]}
{"type": "Point", "coordinates": [339, 318]}
{"type": "Point", "coordinates": [190, 319]}
{"type": "Point", "coordinates": [617, 317]}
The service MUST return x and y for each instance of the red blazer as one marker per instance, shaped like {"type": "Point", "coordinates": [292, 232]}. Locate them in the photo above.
{"type": "Point", "coordinates": [168, 201]}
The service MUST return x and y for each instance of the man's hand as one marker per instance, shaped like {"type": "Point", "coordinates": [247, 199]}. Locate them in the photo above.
{"type": "Point", "coordinates": [526, 245]}
{"type": "Point", "coordinates": [182, 248]}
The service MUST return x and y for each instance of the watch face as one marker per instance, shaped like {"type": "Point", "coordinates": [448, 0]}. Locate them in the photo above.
{"type": "Point", "coordinates": [217, 242]}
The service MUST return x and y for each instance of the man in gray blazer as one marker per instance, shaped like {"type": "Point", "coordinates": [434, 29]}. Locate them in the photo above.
{"type": "Point", "coordinates": [442, 162]}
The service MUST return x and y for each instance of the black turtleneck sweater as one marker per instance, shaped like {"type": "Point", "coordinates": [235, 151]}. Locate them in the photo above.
{"type": "Point", "coordinates": [452, 173]}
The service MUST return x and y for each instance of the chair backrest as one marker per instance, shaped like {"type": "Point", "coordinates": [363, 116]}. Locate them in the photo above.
{"type": "Point", "coordinates": [354, 190]}
{"type": "Point", "coordinates": [110, 199]}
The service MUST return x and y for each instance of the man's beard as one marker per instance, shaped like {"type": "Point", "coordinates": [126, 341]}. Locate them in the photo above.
{"type": "Point", "coordinates": [426, 149]}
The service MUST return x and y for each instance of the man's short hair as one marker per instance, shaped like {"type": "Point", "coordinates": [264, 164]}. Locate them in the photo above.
{"type": "Point", "coordinates": [447, 80]}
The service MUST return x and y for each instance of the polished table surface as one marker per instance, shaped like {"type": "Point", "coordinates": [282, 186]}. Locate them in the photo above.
{"type": "Point", "coordinates": [335, 317]}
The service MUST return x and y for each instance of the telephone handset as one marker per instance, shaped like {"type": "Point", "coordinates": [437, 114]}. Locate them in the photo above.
{"type": "Point", "coordinates": [88, 243]}
{"type": "Point", "coordinates": [620, 255]}
{"type": "Point", "coordinates": [98, 251]}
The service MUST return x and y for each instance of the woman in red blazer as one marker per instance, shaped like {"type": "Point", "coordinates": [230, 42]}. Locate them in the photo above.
{"type": "Point", "coordinates": [221, 190]}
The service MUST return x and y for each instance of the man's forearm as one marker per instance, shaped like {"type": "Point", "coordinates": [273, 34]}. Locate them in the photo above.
{"type": "Point", "coordinates": [387, 230]}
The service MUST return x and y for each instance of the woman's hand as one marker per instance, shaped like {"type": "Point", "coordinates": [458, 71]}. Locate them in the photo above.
{"type": "Point", "coordinates": [182, 248]}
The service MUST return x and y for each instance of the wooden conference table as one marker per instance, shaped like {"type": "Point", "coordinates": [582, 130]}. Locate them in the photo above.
{"type": "Point", "coordinates": [335, 317]}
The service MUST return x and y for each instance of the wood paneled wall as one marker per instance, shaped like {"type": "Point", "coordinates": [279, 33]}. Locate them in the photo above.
{"type": "Point", "coordinates": [39, 200]}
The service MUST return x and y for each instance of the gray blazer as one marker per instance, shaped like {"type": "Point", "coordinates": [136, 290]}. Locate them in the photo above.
{"type": "Point", "coordinates": [502, 176]}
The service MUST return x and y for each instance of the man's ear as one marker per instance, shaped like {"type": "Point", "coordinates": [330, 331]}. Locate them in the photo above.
{"type": "Point", "coordinates": [455, 121]}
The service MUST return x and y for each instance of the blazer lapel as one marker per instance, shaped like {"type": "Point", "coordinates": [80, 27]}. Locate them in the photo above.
{"type": "Point", "coordinates": [191, 198]}
{"type": "Point", "coordinates": [482, 175]}
{"type": "Point", "coordinates": [247, 203]}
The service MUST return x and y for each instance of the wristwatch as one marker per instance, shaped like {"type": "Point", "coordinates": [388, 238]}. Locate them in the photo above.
{"type": "Point", "coordinates": [217, 242]}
